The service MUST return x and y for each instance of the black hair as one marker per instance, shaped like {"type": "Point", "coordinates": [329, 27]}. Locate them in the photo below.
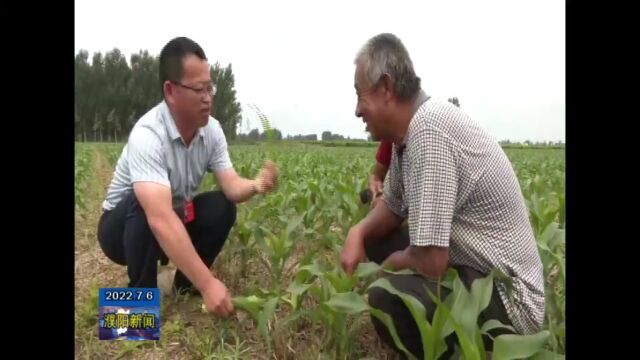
{"type": "Point", "coordinates": [171, 59]}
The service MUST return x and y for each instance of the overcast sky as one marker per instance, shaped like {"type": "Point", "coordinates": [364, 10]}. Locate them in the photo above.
{"type": "Point", "coordinates": [504, 60]}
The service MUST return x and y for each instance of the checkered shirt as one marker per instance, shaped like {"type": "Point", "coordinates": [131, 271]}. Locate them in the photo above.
{"type": "Point", "coordinates": [457, 188]}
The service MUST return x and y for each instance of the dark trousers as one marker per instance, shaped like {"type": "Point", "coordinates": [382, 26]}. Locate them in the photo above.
{"type": "Point", "coordinates": [125, 237]}
{"type": "Point", "coordinates": [415, 285]}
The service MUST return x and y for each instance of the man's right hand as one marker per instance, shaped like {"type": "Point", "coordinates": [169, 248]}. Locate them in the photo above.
{"type": "Point", "coordinates": [375, 186]}
{"type": "Point", "coordinates": [353, 251]}
{"type": "Point", "coordinates": [267, 177]}
{"type": "Point", "coordinates": [217, 299]}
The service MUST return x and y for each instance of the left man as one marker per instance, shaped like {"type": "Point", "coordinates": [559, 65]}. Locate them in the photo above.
{"type": "Point", "coordinates": [150, 212]}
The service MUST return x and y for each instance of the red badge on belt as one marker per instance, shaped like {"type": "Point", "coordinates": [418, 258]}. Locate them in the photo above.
{"type": "Point", "coordinates": [189, 213]}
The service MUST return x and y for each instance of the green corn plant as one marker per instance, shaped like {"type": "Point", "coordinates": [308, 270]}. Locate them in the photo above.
{"type": "Point", "coordinates": [264, 121]}
{"type": "Point", "coordinates": [262, 310]}
{"type": "Point", "coordinates": [551, 248]}
{"type": "Point", "coordinates": [82, 171]}
{"type": "Point", "coordinates": [244, 232]}
{"type": "Point", "coordinates": [561, 211]}
{"type": "Point", "coordinates": [278, 248]}
{"type": "Point", "coordinates": [337, 297]}
{"type": "Point", "coordinates": [337, 311]}
{"type": "Point", "coordinates": [459, 313]}
{"type": "Point", "coordinates": [432, 338]}
{"type": "Point", "coordinates": [345, 303]}
{"type": "Point", "coordinates": [304, 279]}
{"type": "Point", "coordinates": [339, 300]}
{"type": "Point", "coordinates": [113, 153]}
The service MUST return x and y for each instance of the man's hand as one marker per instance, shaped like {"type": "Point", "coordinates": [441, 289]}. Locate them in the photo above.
{"type": "Point", "coordinates": [217, 299]}
{"type": "Point", "coordinates": [267, 178]}
{"type": "Point", "coordinates": [430, 261]}
{"type": "Point", "coordinates": [399, 260]}
{"type": "Point", "coordinates": [353, 251]}
{"type": "Point", "coordinates": [375, 185]}
{"type": "Point", "coordinates": [239, 189]}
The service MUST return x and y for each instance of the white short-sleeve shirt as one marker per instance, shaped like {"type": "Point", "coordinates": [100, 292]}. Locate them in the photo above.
{"type": "Point", "coordinates": [155, 152]}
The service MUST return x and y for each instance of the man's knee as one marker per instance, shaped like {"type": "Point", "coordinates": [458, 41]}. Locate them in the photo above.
{"type": "Point", "coordinates": [381, 299]}
{"type": "Point", "coordinates": [213, 209]}
{"type": "Point", "coordinates": [404, 323]}
{"type": "Point", "coordinates": [230, 211]}
{"type": "Point", "coordinates": [415, 286]}
{"type": "Point", "coordinates": [375, 253]}
{"type": "Point", "coordinates": [468, 275]}
{"type": "Point", "coordinates": [379, 251]}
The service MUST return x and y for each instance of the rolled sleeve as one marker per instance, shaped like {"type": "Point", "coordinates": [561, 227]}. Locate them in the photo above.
{"type": "Point", "coordinates": [220, 159]}
{"type": "Point", "coordinates": [146, 158]}
{"type": "Point", "coordinates": [433, 187]}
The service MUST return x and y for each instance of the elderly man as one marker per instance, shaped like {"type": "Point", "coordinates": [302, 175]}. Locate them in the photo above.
{"type": "Point", "coordinates": [456, 187]}
{"type": "Point", "coordinates": [150, 211]}
{"type": "Point", "coordinates": [373, 193]}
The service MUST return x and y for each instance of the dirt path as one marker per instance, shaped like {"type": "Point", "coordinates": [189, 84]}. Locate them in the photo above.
{"type": "Point", "coordinates": [91, 264]}
{"type": "Point", "coordinates": [94, 270]}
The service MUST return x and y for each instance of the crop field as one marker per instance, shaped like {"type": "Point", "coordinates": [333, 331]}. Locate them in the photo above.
{"type": "Point", "coordinates": [281, 265]}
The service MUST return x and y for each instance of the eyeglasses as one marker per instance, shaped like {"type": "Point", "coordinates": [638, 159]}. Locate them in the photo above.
{"type": "Point", "coordinates": [209, 89]}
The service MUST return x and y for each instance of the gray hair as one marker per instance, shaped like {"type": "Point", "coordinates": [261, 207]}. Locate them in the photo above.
{"type": "Point", "coordinates": [385, 54]}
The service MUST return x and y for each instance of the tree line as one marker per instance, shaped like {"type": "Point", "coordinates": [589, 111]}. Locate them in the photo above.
{"type": "Point", "coordinates": [111, 94]}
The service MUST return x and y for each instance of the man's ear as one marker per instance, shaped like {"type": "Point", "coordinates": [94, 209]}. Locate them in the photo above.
{"type": "Point", "coordinates": [386, 82]}
{"type": "Point", "coordinates": [167, 91]}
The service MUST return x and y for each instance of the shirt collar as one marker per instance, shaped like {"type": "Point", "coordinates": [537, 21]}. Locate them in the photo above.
{"type": "Point", "coordinates": [420, 99]}
{"type": "Point", "coordinates": [170, 122]}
